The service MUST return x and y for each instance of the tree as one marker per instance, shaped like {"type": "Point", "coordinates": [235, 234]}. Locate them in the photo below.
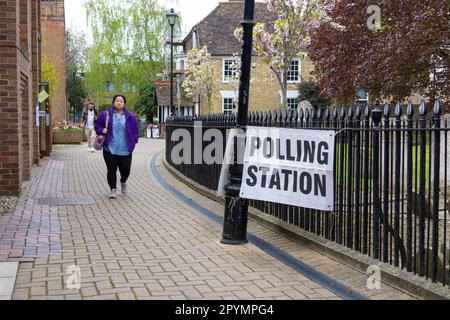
{"type": "Point", "coordinates": [50, 75]}
{"type": "Point", "coordinates": [407, 52]}
{"type": "Point", "coordinates": [288, 38]}
{"type": "Point", "coordinates": [199, 73]}
{"type": "Point", "coordinates": [145, 104]}
{"type": "Point", "coordinates": [308, 90]}
{"type": "Point", "coordinates": [76, 90]}
{"type": "Point", "coordinates": [129, 42]}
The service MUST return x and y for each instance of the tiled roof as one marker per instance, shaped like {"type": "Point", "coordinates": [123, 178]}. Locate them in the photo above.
{"type": "Point", "coordinates": [216, 31]}
{"type": "Point", "coordinates": [163, 95]}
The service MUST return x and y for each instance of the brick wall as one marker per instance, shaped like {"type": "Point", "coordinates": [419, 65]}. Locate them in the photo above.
{"type": "Point", "coordinates": [16, 94]}
{"type": "Point", "coordinates": [264, 88]}
{"type": "Point", "coordinates": [54, 48]}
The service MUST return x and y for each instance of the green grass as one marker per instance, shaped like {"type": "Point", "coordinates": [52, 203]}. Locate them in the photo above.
{"type": "Point", "coordinates": [416, 163]}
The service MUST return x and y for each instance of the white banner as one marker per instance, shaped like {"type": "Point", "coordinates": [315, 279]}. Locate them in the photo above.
{"type": "Point", "coordinates": [289, 166]}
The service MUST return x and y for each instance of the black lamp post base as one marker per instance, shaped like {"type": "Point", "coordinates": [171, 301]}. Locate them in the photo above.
{"type": "Point", "coordinates": [233, 242]}
{"type": "Point", "coordinates": [235, 217]}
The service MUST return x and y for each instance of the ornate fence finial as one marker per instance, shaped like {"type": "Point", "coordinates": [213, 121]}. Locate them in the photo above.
{"type": "Point", "coordinates": [367, 111]}
{"type": "Point", "coordinates": [327, 113]}
{"type": "Point", "coordinates": [410, 109]}
{"type": "Point", "coordinates": [387, 110]}
{"type": "Point", "coordinates": [437, 110]}
{"type": "Point", "coordinates": [301, 115]}
{"type": "Point", "coordinates": [342, 113]}
{"type": "Point", "coordinates": [358, 112]}
{"type": "Point", "coordinates": [423, 108]}
{"type": "Point", "coordinates": [307, 115]}
{"type": "Point", "coordinates": [350, 113]}
{"type": "Point", "coordinates": [398, 109]}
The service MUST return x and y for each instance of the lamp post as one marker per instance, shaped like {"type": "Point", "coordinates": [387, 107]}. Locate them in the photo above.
{"type": "Point", "coordinates": [236, 208]}
{"type": "Point", "coordinates": [74, 74]}
{"type": "Point", "coordinates": [172, 19]}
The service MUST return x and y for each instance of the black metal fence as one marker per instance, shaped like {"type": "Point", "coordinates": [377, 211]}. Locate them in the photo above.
{"type": "Point", "coordinates": [391, 180]}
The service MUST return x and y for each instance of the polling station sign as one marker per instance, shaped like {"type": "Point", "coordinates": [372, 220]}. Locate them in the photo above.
{"type": "Point", "coordinates": [289, 166]}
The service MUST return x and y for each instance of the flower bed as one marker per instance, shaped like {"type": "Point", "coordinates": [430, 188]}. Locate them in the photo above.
{"type": "Point", "coordinates": [66, 132]}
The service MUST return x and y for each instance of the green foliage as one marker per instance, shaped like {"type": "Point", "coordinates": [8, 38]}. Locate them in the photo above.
{"type": "Point", "coordinates": [308, 90]}
{"type": "Point", "coordinates": [50, 75]}
{"type": "Point", "coordinates": [129, 43]}
{"type": "Point", "coordinates": [145, 104]}
{"type": "Point", "coordinates": [76, 91]}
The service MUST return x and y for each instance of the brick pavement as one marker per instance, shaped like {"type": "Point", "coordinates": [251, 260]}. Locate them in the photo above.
{"type": "Point", "coordinates": [147, 245]}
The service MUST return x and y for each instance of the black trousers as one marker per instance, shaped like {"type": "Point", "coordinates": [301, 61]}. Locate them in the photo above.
{"type": "Point", "coordinates": [112, 163]}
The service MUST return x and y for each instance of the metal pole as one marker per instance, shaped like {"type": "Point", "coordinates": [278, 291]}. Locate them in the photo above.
{"type": "Point", "coordinates": [172, 111]}
{"type": "Point", "coordinates": [376, 117]}
{"type": "Point", "coordinates": [236, 209]}
{"type": "Point", "coordinates": [74, 93]}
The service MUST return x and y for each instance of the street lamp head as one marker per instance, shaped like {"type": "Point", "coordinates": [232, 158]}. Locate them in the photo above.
{"type": "Point", "coordinates": [171, 17]}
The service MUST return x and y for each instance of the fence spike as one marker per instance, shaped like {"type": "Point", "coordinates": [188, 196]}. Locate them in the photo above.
{"type": "Point", "coordinates": [350, 113]}
{"type": "Point", "coordinates": [335, 113]}
{"type": "Point", "coordinates": [319, 114]}
{"type": "Point", "coordinates": [274, 116]}
{"type": "Point", "coordinates": [342, 113]}
{"type": "Point", "coordinates": [301, 115]}
{"type": "Point", "coordinates": [423, 108]}
{"type": "Point", "coordinates": [327, 113]}
{"type": "Point", "coordinates": [387, 110]}
{"type": "Point", "coordinates": [437, 108]}
{"type": "Point", "coordinates": [398, 109]}
{"type": "Point", "coordinates": [295, 115]}
{"type": "Point", "coordinates": [279, 115]}
{"type": "Point", "coordinates": [358, 112]}
{"type": "Point", "coordinates": [313, 113]}
{"type": "Point", "coordinates": [269, 116]}
{"type": "Point", "coordinates": [307, 115]}
{"type": "Point", "coordinates": [284, 115]}
{"type": "Point", "coordinates": [410, 109]}
{"type": "Point", "coordinates": [367, 111]}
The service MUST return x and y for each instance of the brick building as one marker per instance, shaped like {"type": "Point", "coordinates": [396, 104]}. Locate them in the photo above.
{"type": "Point", "coordinates": [19, 76]}
{"type": "Point", "coordinates": [216, 31]}
{"type": "Point", "coordinates": [54, 48]}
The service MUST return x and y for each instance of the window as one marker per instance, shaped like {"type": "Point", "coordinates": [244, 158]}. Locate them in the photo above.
{"type": "Point", "coordinates": [228, 70]}
{"type": "Point", "coordinates": [228, 105]}
{"type": "Point", "coordinates": [293, 74]}
{"type": "Point", "coordinates": [362, 96]}
{"type": "Point", "coordinates": [292, 103]}
{"type": "Point", "coordinates": [126, 87]}
{"type": "Point", "coordinates": [110, 86]}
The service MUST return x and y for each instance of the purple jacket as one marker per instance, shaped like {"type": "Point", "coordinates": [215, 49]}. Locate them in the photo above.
{"type": "Point", "coordinates": [131, 124]}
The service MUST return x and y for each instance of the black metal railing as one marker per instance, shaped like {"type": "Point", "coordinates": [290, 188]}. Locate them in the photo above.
{"type": "Point", "coordinates": [391, 180]}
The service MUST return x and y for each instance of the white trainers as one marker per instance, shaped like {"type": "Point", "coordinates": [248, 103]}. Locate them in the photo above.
{"type": "Point", "coordinates": [92, 149]}
{"type": "Point", "coordinates": [124, 188]}
{"type": "Point", "coordinates": [113, 194]}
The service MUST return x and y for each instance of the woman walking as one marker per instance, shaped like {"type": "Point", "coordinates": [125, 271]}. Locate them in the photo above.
{"type": "Point", "coordinates": [121, 135]}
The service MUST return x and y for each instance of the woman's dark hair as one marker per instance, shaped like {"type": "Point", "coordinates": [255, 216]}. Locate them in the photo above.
{"type": "Point", "coordinates": [119, 95]}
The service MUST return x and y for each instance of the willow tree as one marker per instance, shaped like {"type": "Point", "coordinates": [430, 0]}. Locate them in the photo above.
{"type": "Point", "coordinates": [128, 48]}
